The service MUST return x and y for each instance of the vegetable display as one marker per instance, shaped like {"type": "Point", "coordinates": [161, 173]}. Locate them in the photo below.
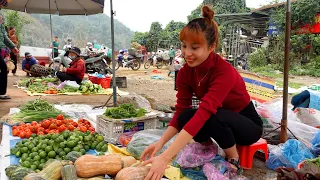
{"type": "Point", "coordinates": [133, 173]}
{"type": "Point", "coordinates": [51, 126]}
{"type": "Point", "coordinates": [87, 87]}
{"type": "Point", "coordinates": [38, 105]}
{"type": "Point", "coordinates": [37, 150]}
{"type": "Point", "coordinates": [124, 111]}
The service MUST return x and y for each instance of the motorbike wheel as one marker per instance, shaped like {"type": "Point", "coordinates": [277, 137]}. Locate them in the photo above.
{"type": "Point", "coordinates": [159, 65]}
{"type": "Point", "coordinates": [56, 66]}
{"type": "Point", "coordinates": [108, 70]}
{"type": "Point", "coordinates": [147, 64]}
{"type": "Point", "coordinates": [136, 64]}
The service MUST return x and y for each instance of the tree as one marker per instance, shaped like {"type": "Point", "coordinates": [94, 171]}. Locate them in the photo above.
{"type": "Point", "coordinates": [172, 32]}
{"type": "Point", "coordinates": [154, 36]}
{"type": "Point", "coordinates": [140, 37]}
{"type": "Point", "coordinates": [14, 19]}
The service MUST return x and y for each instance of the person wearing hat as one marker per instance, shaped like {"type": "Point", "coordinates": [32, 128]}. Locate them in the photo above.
{"type": "Point", "coordinates": [77, 67]}
{"type": "Point", "coordinates": [27, 62]}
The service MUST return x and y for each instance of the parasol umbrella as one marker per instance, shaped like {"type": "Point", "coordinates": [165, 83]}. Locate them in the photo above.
{"type": "Point", "coordinates": [65, 7]}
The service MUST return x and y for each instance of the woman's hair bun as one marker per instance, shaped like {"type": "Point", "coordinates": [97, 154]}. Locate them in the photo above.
{"type": "Point", "coordinates": [207, 12]}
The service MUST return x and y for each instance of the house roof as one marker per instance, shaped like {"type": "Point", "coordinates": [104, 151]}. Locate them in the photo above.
{"type": "Point", "coordinates": [255, 19]}
{"type": "Point", "coordinates": [271, 6]}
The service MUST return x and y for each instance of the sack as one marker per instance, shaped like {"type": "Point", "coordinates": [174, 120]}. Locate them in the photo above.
{"type": "Point", "coordinates": [308, 116]}
{"type": "Point", "coordinates": [10, 65]}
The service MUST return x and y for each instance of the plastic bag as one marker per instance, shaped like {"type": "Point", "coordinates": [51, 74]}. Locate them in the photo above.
{"type": "Point", "coordinates": [293, 152]}
{"type": "Point", "coordinates": [316, 138]}
{"type": "Point", "coordinates": [274, 160]}
{"type": "Point", "coordinates": [212, 173]}
{"type": "Point", "coordinates": [125, 138]}
{"type": "Point", "coordinates": [143, 139]}
{"type": "Point", "coordinates": [196, 154]}
{"type": "Point", "coordinates": [316, 150]}
{"type": "Point", "coordinates": [191, 173]}
{"type": "Point", "coordinates": [68, 83]}
{"type": "Point", "coordinates": [308, 116]}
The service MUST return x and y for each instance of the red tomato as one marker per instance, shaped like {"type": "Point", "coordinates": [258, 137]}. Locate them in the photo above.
{"type": "Point", "coordinates": [14, 127]}
{"type": "Point", "coordinates": [60, 117]}
{"type": "Point", "coordinates": [83, 128]}
{"type": "Point", "coordinates": [40, 129]}
{"type": "Point", "coordinates": [74, 124]}
{"type": "Point", "coordinates": [22, 124]}
{"type": "Point", "coordinates": [59, 122]}
{"type": "Point", "coordinates": [87, 122]}
{"type": "Point", "coordinates": [91, 129]}
{"type": "Point", "coordinates": [47, 131]}
{"type": "Point", "coordinates": [15, 132]}
{"type": "Point", "coordinates": [62, 128]}
{"type": "Point", "coordinates": [22, 134]}
{"type": "Point", "coordinates": [28, 134]}
{"type": "Point", "coordinates": [53, 126]}
{"type": "Point", "coordinates": [45, 124]}
{"type": "Point", "coordinates": [34, 123]}
{"type": "Point", "coordinates": [80, 121]}
{"type": "Point", "coordinates": [40, 133]}
{"type": "Point", "coordinates": [33, 129]}
{"type": "Point", "coordinates": [70, 127]}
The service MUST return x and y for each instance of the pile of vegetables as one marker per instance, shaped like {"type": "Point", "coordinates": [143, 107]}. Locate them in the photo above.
{"type": "Point", "coordinates": [38, 149]}
{"type": "Point", "coordinates": [315, 161]}
{"type": "Point", "coordinates": [51, 126]}
{"type": "Point", "coordinates": [124, 111]}
{"type": "Point", "coordinates": [35, 110]}
{"type": "Point", "coordinates": [87, 87]}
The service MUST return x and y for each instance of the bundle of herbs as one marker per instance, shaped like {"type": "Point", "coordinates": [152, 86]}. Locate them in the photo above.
{"type": "Point", "coordinates": [124, 111]}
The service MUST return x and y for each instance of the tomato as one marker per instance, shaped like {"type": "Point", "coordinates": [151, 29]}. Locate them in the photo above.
{"type": "Point", "coordinates": [34, 123]}
{"type": "Point", "coordinates": [47, 131]}
{"type": "Point", "coordinates": [91, 129]}
{"type": "Point", "coordinates": [62, 128]}
{"type": "Point", "coordinates": [22, 124]}
{"type": "Point", "coordinates": [60, 117]}
{"type": "Point", "coordinates": [53, 126]}
{"type": "Point", "coordinates": [33, 129]}
{"type": "Point", "coordinates": [22, 135]}
{"type": "Point", "coordinates": [45, 124]}
{"type": "Point", "coordinates": [15, 132]}
{"type": "Point", "coordinates": [80, 121]}
{"type": "Point", "coordinates": [14, 127]}
{"type": "Point", "coordinates": [59, 122]}
{"type": "Point", "coordinates": [40, 129]}
{"type": "Point", "coordinates": [52, 132]}
{"type": "Point", "coordinates": [83, 128]}
{"type": "Point", "coordinates": [87, 122]}
{"type": "Point", "coordinates": [70, 127]}
{"type": "Point", "coordinates": [40, 133]}
{"type": "Point", "coordinates": [28, 134]}
{"type": "Point", "coordinates": [74, 124]}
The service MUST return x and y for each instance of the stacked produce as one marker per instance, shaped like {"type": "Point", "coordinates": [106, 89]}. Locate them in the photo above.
{"type": "Point", "coordinates": [124, 111]}
{"type": "Point", "coordinates": [87, 87]}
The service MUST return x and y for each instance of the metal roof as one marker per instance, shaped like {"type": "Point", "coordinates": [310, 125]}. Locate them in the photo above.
{"type": "Point", "coordinates": [255, 19]}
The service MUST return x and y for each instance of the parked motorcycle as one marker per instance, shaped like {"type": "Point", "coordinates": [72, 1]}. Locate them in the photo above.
{"type": "Point", "coordinates": [160, 61]}
{"type": "Point", "coordinates": [61, 61]}
{"type": "Point", "coordinates": [242, 61]}
{"type": "Point", "coordinates": [133, 62]}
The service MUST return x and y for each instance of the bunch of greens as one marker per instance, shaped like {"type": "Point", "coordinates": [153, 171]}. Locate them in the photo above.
{"type": "Point", "coordinates": [124, 111]}
{"type": "Point", "coordinates": [38, 105]}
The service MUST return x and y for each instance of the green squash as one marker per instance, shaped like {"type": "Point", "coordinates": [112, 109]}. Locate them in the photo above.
{"type": "Point", "coordinates": [68, 172]}
{"type": "Point", "coordinates": [10, 169]}
{"type": "Point", "coordinates": [73, 156]}
{"type": "Point", "coordinates": [20, 173]}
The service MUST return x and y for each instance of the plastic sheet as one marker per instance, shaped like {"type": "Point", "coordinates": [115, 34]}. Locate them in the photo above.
{"type": "Point", "coordinates": [196, 154]}
{"type": "Point", "coordinates": [212, 173]}
{"type": "Point", "coordinates": [143, 139]}
{"type": "Point", "coordinates": [274, 161]}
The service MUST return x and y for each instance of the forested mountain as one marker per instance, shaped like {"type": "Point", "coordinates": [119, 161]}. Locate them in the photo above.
{"type": "Point", "coordinates": [81, 29]}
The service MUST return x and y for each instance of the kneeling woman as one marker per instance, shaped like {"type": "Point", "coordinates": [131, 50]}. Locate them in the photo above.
{"type": "Point", "coordinates": [77, 67]}
{"type": "Point", "coordinates": [225, 113]}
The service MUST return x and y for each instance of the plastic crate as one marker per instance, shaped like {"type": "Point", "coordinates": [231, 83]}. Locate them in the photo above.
{"type": "Point", "coordinates": [121, 82]}
{"type": "Point", "coordinates": [111, 129]}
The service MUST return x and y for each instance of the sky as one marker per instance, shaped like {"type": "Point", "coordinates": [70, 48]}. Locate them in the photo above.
{"type": "Point", "coordinates": [139, 14]}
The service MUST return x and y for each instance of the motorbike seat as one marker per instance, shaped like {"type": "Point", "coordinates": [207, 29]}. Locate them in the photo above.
{"type": "Point", "coordinates": [130, 57]}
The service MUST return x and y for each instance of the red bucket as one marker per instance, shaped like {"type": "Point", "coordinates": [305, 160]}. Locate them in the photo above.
{"type": "Point", "coordinates": [94, 79]}
{"type": "Point", "coordinates": [105, 82]}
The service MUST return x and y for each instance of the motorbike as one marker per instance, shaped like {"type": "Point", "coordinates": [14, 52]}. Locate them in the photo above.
{"type": "Point", "coordinates": [94, 63]}
{"type": "Point", "coordinates": [160, 61]}
{"type": "Point", "coordinates": [133, 62]}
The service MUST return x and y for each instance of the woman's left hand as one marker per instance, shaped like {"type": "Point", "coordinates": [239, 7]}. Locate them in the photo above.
{"type": "Point", "coordinates": [159, 165]}
{"type": "Point", "coordinates": [15, 51]}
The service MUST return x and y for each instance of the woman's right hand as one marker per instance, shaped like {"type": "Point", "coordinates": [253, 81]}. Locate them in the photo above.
{"type": "Point", "coordinates": [151, 151]}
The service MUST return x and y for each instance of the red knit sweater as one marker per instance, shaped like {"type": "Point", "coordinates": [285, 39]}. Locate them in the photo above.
{"type": "Point", "coordinates": [77, 68]}
{"type": "Point", "coordinates": [222, 87]}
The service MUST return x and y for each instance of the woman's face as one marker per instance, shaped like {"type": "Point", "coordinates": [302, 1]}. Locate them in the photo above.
{"type": "Point", "coordinates": [195, 53]}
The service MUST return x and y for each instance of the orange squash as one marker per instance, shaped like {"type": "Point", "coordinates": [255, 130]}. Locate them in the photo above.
{"type": "Point", "coordinates": [89, 165]}
{"type": "Point", "coordinates": [133, 173]}
{"type": "Point", "coordinates": [127, 161]}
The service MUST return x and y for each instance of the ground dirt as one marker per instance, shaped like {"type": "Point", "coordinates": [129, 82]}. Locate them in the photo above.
{"type": "Point", "coordinates": [139, 82]}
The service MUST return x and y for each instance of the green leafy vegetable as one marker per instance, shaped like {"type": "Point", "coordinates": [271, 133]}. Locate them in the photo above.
{"type": "Point", "coordinates": [124, 111]}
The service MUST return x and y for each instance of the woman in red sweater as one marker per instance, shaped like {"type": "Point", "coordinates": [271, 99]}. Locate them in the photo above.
{"type": "Point", "coordinates": [225, 113]}
{"type": "Point", "coordinates": [77, 67]}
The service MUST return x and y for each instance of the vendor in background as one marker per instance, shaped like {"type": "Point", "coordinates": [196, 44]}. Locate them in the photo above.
{"type": "Point", "coordinates": [77, 67]}
{"type": "Point", "coordinates": [27, 62]}
{"type": "Point", "coordinates": [225, 113]}
{"type": "Point", "coordinates": [172, 54]}
{"type": "Point", "coordinates": [4, 43]}
{"type": "Point", "coordinates": [14, 38]}
{"type": "Point", "coordinates": [55, 45]}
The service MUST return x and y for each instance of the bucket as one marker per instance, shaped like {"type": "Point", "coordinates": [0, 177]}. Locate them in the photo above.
{"type": "Point", "coordinates": [94, 79]}
{"type": "Point", "coordinates": [105, 82]}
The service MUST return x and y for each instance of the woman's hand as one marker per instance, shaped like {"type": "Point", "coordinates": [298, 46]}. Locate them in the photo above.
{"type": "Point", "coordinates": [15, 51]}
{"type": "Point", "coordinates": [159, 165]}
{"type": "Point", "coordinates": [151, 151]}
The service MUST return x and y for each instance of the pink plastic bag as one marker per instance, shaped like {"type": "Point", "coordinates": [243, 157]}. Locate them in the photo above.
{"type": "Point", "coordinates": [212, 173]}
{"type": "Point", "coordinates": [196, 154]}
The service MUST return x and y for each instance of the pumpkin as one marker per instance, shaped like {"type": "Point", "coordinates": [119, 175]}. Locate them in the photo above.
{"type": "Point", "coordinates": [127, 161]}
{"type": "Point", "coordinates": [94, 178]}
{"type": "Point", "coordinates": [90, 166]}
{"type": "Point", "coordinates": [20, 173]}
{"type": "Point", "coordinates": [68, 172]}
{"type": "Point", "coordinates": [51, 171]}
{"type": "Point", "coordinates": [133, 173]}
{"type": "Point", "coordinates": [73, 156]}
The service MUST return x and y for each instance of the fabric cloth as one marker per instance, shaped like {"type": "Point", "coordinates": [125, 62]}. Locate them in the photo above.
{"type": "Point", "coordinates": [77, 68]}
{"type": "Point", "coordinates": [65, 77]}
{"type": "Point", "coordinates": [4, 40]}
{"type": "Point", "coordinates": [55, 46]}
{"type": "Point", "coordinates": [226, 127]}
{"type": "Point", "coordinates": [14, 58]}
{"type": "Point", "coordinates": [3, 76]}
{"type": "Point", "coordinates": [217, 84]}
{"type": "Point", "coordinates": [28, 63]}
